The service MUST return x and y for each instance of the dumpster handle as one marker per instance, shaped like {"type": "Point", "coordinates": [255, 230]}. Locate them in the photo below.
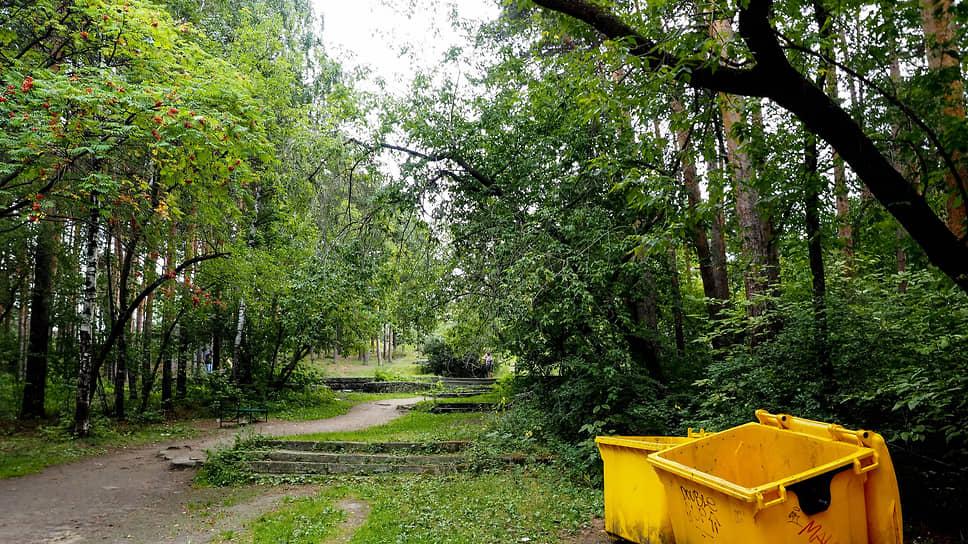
{"type": "Point", "coordinates": [860, 468]}
{"type": "Point", "coordinates": [761, 504]}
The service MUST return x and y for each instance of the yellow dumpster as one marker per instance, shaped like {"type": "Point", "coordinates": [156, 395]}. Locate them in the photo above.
{"type": "Point", "coordinates": [635, 503]}
{"type": "Point", "coordinates": [781, 480]}
{"type": "Point", "coordinates": [881, 492]}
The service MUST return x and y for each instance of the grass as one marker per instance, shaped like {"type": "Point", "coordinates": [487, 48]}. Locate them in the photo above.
{"type": "Point", "coordinates": [412, 427]}
{"type": "Point", "coordinates": [300, 521]}
{"type": "Point", "coordinates": [403, 366]}
{"type": "Point", "coordinates": [536, 504]}
{"type": "Point", "coordinates": [304, 406]}
{"type": "Point", "coordinates": [508, 506]}
{"type": "Point", "coordinates": [31, 451]}
{"type": "Point", "coordinates": [493, 507]}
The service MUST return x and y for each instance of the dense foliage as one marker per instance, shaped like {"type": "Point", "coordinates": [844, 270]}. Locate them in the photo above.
{"type": "Point", "coordinates": [657, 254]}
{"type": "Point", "coordinates": [182, 209]}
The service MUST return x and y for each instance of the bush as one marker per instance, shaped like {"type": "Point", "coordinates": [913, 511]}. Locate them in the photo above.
{"type": "Point", "coordinates": [444, 360]}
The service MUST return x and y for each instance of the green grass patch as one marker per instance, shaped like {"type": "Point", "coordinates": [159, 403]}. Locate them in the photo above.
{"type": "Point", "coordinates": [297, 521]}
{"type": "Point", "coordinates": [497, 507]}
{"type": "Point", "coordinates": [301, 521]}
{"type": "Point", "coordinates": [521, 504]}
{"type": "Point", "coordinates": [352, 370]}
{"type": "Point", "coordinates": [22, 455]}
{"type": "Point", "coordinates": [412, 427]}
{"type": "Point", "coordinates": [31, 451]}
{"type": "Point", "coordinates": [305, 412]}
{"type": "Point", "coordinates": [369, 397]}
{"type": "Point", "coordinates": [403, 366]}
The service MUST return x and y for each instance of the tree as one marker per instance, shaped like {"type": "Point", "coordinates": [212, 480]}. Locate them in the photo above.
{"type": "Point", "coordinates": [770, 74]}
{"type": "Point", "coordinates": [35, 380]}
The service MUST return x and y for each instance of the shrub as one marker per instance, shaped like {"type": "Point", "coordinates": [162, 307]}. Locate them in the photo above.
{"type": "Point", "coordinates": [445, 360]}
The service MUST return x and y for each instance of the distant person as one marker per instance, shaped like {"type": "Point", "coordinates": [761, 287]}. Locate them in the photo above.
{"type": "Point", "coordinates": [488, 364]}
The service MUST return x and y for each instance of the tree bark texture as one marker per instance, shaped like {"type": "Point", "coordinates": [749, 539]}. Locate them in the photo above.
{"type": "Point", "coordinates": [35, 375]}
{"type": "Point", "coordinates": [677, 303]}
{"type": "Point", "coordinates": [944, 59]}
{"type": "Point", "coordinates": [181, 378]}
{"type": "Point", "coordinates": [85, 367]}
{"type": "Point", "coordinates": [754, 227]}
{"type": "Point", "coordinates": [813, 187]}
{"type": "Point", "coordinates": [167, 401]}
{"type": "Point", "coordinates": [713, 281]}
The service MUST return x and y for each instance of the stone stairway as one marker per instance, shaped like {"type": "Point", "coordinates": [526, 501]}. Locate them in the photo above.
{"type": "Point", "coordinates": [357, 458]}
{"type": "Point", "coordinates": [295, 457]}
{"type": "Point", "coordinates": [464, 387]}
{"type": "Point", "coordinates": [463, 407]}
{"type": "Point", "coordinates": [475, 386]}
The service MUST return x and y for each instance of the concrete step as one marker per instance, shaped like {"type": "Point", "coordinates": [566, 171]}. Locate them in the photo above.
{"type": "Point", "coordinates": [454, 394]}
{"type": "Point", "coordinates": [274, 463]}
{"type": "Point", "coordinates": [295, 467]}
{"type": "Point", "coordinates": [468, 382]}
{"type": "Point", "coordinates": [353, 458]}
{"type": "Point", "coordinates": [447, 446]}
{"type": "Point", "coordinates": [463, 407]}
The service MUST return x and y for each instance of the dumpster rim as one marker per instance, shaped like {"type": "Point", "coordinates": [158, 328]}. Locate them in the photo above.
{"type": "Point", "coordinates": [758, 495]}
{"type": "Point", "coordinates": [642, 442]}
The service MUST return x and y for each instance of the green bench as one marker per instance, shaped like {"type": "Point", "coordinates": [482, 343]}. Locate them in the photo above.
{"type": "Point", "coordinates": [232, 411]}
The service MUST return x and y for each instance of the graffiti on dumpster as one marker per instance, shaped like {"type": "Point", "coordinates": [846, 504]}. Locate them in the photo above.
{"type": "Point", "coordinates": [809, 530]}
{"type": "Point", "coordinates": [701, 510]}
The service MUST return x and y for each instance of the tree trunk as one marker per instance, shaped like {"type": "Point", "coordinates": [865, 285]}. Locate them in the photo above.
{"type": "Point", "coordinates": [237, 344]}
{"type": "Point", "coordinates": [713, 286]}
{"type": "Point", "coordinates": [85, 377]}
{"type": "Point", "coordinates": [646, 315]}
{"type": "Point", "coordinates": [137, 323]}
{"type": "Point", "coordinates": [755, 229]}
{"type": "Point", "coordinates": [944, 59]}
{"type": "Point", "coordinates": [813, 187]}
{"type": "Point", "coordinates": [389, 344]}
{"type": "Point", "coordinates": [677, 304]}
{"type": "Point", "coordinates": [216, 349]}
{"type": "Point", "coordinates": [717, 241]}
{"type": "Point", "coordinates": [167, 403]}
{"type": "Point", "coordinates": [23, 333]}
{"type": "Point", "coordinates": [121, 377]}
{"type": "Point", "coordinates": [35, 375]}
{"type": "Point", "coordinates": [379, 351]}
{"type": "Point", "coordinates": [181, 380]}
{"type": "Point", "coordinates": [146, 342]}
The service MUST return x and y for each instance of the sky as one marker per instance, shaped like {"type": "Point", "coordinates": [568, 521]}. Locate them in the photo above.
{"type": "Point", "coordinates": [373, 33]}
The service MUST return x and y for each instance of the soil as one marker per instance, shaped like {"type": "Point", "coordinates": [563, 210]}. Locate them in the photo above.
{"type": "Point", "coordinates": [132, 495]}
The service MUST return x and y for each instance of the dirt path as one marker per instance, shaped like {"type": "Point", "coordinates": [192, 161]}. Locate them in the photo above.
{"type": "Point", "coordinates": [133, 496]}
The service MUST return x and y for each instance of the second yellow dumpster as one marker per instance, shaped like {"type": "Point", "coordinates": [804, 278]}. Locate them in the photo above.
{"type": "Point", "coordinates": [635, 501]}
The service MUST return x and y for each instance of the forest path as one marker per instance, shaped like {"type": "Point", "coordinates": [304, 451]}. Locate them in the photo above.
{"type": "Point", "coordinates": [133, 496]}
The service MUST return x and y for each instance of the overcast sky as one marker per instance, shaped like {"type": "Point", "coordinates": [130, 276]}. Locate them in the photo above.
{"type": "Point", "coordinates": [374, 32]}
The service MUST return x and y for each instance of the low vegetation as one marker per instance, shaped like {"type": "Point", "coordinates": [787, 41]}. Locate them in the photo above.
{"type": "Point", "coordinates": [530, 503]}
